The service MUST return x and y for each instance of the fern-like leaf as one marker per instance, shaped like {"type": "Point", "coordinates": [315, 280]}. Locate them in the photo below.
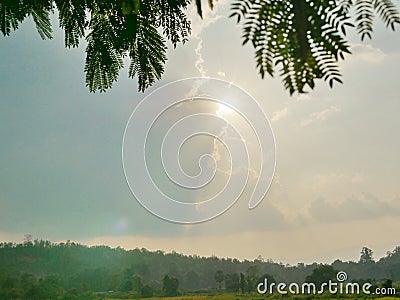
{"type": "Point", "coordinates": [72, 18]}
{"type": "Point", "coordinates": [41, 17]}
{"type": "Point", "coordinates": [11, 15]}
{"type": "Point", "coordinates": [388, 12]}
{"type": "Point", "coordinates": [302, 38]}
{"type": "Point", "coordinates": [148, 55]}
{"type": "Point", "coordinates": [103, 62]}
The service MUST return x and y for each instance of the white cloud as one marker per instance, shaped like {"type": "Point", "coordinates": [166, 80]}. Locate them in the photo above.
{"type": "Point", "coordinates": [319, 116]}
{"type": "Point", "coordinates": [222, 74]}
{"type": "Point", "coordinates": [198, 25]}
{"type": "Point", "coordinates": [356, 207]}
{"type": "Point", "coordinates": [303, 97]}
{"type": "Point", "coordinates": [209, 17]}
{"type": "Point", "coordinates": [365, 53]}
{"type": "Point", "coordinates": [199, 63]}
{"type": "Point", "coordinates": [280, 114]}
{"type": "Point", "coordinates": [323, 182]}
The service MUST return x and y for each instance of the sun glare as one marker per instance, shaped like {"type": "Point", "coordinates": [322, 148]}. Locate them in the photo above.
{"type": "Point", "coordinates": [223, 110]}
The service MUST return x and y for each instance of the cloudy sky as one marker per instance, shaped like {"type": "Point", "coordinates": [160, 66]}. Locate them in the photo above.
{"type": "Point", "coordinates": [336, 187]}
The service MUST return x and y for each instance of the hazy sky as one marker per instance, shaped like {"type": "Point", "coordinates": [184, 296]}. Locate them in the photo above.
{"type": "Point", "coordinates": [336, 187]}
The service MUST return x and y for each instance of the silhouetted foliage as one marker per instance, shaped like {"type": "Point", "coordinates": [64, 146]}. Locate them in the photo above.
{"type": "Point", "coordinates": [269, 278]}
{"type": "Point", "coordinates": [366, 256]}
{"type": "Point", "coordinates": [219, 277]}
{"type": "Point", "coordinates": [304, 39]}
{"type": "Point", "coordinates": [146, 291]}
{"type": "Point", "coordinates": [192, 280]}
{"type": "Point", "coordinates": [112, 29]}
{"type": "Point", "coordinates": [232, 282]}
{"type": "Point", "coordinates": [252, 278]}
{"type": "Point", "coordinates": [321, 275]}
{"type": "Point", "coordinates": [242, 283]}
{"type": "Point", "coordinates": [170, 286]}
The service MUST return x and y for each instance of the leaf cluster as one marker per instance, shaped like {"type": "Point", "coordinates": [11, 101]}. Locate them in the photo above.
{"type": "Point", "coordinates": [302, 40]}
{"type": "Point", "coordinates": [113, 30]}
{"type": "Point", "coordinates": [305, 39]}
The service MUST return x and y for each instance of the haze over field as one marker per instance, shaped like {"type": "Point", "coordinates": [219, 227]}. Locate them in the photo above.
{"type": "Point", "coordinates": [336, 185]}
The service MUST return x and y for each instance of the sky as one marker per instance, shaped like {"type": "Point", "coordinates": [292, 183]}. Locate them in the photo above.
{"type": "Point", "coordinates": [335, 188]}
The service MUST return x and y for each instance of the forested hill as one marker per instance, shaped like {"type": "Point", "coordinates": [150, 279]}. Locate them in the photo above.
{"type": "Point", "coordinates": [102, 268]}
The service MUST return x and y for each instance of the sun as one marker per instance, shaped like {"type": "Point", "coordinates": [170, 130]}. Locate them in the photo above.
{"type": "Point", "coordinates": [223, 110]}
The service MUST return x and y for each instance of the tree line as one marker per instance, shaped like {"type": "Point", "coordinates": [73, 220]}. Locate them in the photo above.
{"type": "Point", "coordinates": [73, 270]}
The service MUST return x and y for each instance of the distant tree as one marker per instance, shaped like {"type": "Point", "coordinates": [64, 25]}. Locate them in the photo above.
{"type": "Point", "coordinates": [137, 284]}
{"type": "Point", "coordinates": [114, 282]}
{"type": "Point", "coordinates": [259, 259]}
{"type": "Point", "coordinates": [366, 256]}
{"type": "Point", "coordinates": [126, 282]}
{"type": "Point", "coordinates": [142, 270]}
{"type": "Point", "coordinates": [146, 291]}
{"type": "Point", "coordinates": [269, 277]}
{"type": "Point", "coordinates": [252, 278]}
{"type": "Point", "coordinates": [232, 282]}
{"type": "Point", "coordinates": [219, 277]}
{"type": "Point", "coordinates": [174, 270]}
{"type": "Point", "coordinates": [46, 288]}
{"type": "Point", "coordinates": [322, 274]}
{"type": "Point", "coordinates": [170, 286]}
{"type": "Point", "coordinates": [388, 283]}
{"type": "Point", "coordinates": [192, 280]}
{"type": "Point", "coordinates": [396, 251]}
{"type": "Point", "coordinates": [243, 283]}
{"type": "Point", "coordinates": [28, 238]}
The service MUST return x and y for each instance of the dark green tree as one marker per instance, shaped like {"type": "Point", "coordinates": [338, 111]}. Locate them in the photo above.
{"type": "Point", "coordinates": [219, 277]}
{"type": "Point", "coordinates": [114, 282]}
{"type": "Point", "coordinates": [321, 274]}
{"type": "Point", "coordinates": [269, 278]}
{"type": "Point", "coordinates": [170, 286]}
{"type": "Point", "coordinates": [127, 281]}
{"type": "Point", "coordinates": [366, 256]}
{"type": "Point", "coordinates": [146, 291]}
{"type": "Point", "coordinates": [48, 288]}
{"type": "Point", "coordinates": [232, 282]}
{"type": "Point", "coordinates": [303, 39]}
{"type": "Point", "coordinates": [142, 270]}
{"type": "Point", "coordinates": [252, 278]}
{"type": "Point", "coordinates": [387, 283]}
{"type": "Point", "coordinates": [192, 280]}
{"type": "Point", "coordinates": [137, 284]}
{"type": "Point", "coordinates": [243, 283]}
